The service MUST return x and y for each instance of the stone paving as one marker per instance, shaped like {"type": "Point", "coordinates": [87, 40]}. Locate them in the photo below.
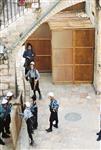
{"type": "Point", "coordinates": [78, 119]}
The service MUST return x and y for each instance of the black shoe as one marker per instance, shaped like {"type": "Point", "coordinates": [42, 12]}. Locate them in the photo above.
{"type": "Point", "coordinates": [98, 133]}
{"type": "Point", "coordinates": [40, 96]}
{"type": "Point", "coordinates": [35, 128]}
{"type": "Point", "coordinates": [56, 126]}
{"type": "Point", "coordinates": [32, 142]}
{"type": "Point", "coordinates": [99, 138]}
{"type": "Point", "coordinates": [2, 142]}
{"type": "Point", "coordinates": [5, 136]}
{"type": "Point", "coordinates": [49, 130]}
{"type": "Point", "coordinates": [32, 131]}
{"type": "Point", "coordinates": [26, 78]}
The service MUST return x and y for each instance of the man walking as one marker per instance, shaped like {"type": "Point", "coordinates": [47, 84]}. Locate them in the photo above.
{"type": "Point", "coordinates": [28, 116]}
{"type": "Point", "coordinates": [9, 106]}
{"type": "Point", "coordinates": [54, 111]}
{"type": "Point", "coordinates": [34, 76]}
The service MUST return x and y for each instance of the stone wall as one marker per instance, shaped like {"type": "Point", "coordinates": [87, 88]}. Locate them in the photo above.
{"type": "Point", "coordinates": [94, 12]}
{"type": "Point", "coordinates": [4, 78]}
{"type": "Point", "coordinates": [7, 75]}
{"type": "Point", "coordinates": [12, 72]}
{"type": "Point", "coordinates": [91, 10]}
{"type": "Point", "coordinates": [16, 121]}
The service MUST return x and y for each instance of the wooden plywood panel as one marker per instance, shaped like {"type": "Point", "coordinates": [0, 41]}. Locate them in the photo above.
{"type": "Point", "coordinates": [79, 55]}
{"type": "Point", "coordinates": [84, 38]}
{"type": "Point", "coordinates": [43, 54]}
{"type": "Point", "coordinates": [84, 55]}
{"type": "Point", "coordinates": [63, 74]}
{"type": "Point", "coordinates": [41, 47]}
{"type": "Point", "coordinates": [84, 73]}
{"type": "Point", "coordinates": [62, 39]}
{"type": "Point", "coordinates": [44, 47]}
{"type": "Point", "coordinates": [62, 56]}
{"type": "Point", "coordinates": [43, 63]}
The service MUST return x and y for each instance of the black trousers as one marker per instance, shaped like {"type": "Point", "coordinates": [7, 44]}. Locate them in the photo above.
{"type": "Point", "coordinates": [53, 117]}
{"type": "Point", "coordinates": [35, 87]}
{"type": "Point", "coordinates": [35, 118]}
{"type": "Point", "coordinates": [100, 133]}
{"type": "Point", "coordinates": [29, 123]}
{"type": "Point", "coordinates": [26, 70]}
{"type": "Point", "coordinates": [1, 125]}
{"type": "Point", "coordinates": [6, 123]}
{"type": "Point", "coordinates": [27, 65]}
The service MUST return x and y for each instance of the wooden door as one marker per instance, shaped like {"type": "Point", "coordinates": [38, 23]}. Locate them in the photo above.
{"type": "Point", "coordinates": [62, 56]}
{"type": "Point", "coordinates": [42, 49]}
{"type": "Point", "coordinates": [84, 55]}
{"type": "Point", "coordinates": [72, 55]}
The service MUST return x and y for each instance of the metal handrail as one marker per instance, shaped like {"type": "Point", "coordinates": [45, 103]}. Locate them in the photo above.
{"type": "Point", "coordinates": [34, 25]}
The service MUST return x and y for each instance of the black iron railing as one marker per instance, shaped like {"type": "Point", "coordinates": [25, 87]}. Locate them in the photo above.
{"type": "Point", "coordinates": [10, 10]}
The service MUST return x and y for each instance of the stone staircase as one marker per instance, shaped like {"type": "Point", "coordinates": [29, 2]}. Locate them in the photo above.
{"type": "Point", "coordinates": [16, 33]}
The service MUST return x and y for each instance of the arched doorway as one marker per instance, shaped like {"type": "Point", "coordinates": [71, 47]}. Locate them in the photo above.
{"type": "Point", "coordinates": [41, 42]}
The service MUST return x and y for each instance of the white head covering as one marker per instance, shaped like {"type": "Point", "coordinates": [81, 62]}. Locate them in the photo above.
{"type": "Point", "coordinates": [9, 94]}
{"type": "Point", "coordinates": [4, 101]}
{"type": "Point", "coordinates": [51, 94]}
{"type": "Point", "coordinates": [32, 63]}
{"type": "Point", "coordinates": [27, 104]}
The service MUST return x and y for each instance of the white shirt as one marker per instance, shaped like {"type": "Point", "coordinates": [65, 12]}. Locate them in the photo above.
{"type": "Point", "coordinates": [27, 113]}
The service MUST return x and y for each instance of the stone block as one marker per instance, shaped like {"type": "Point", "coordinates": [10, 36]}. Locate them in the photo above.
{"type": "Point", "coordinates": [12, 79]}
{"type": "Point", "coordinates": [4, 79]}
{"type": "Point", "coordinates": [12, 64]}
{"type": "Point", "coordinates": [3, 86]}
{"type": "Point", "coordinates": [5, 92]}
{"type": "Point", "coordinates": [3, 66]}
{"type": "Point", "coordinates": [1, 93]}
{"type": "Point", "coordinates": [6, 62]}
{"type": "Point", "coordinates": [3, 72]}
{"type": "Point", "coordinates": [11, 69]}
